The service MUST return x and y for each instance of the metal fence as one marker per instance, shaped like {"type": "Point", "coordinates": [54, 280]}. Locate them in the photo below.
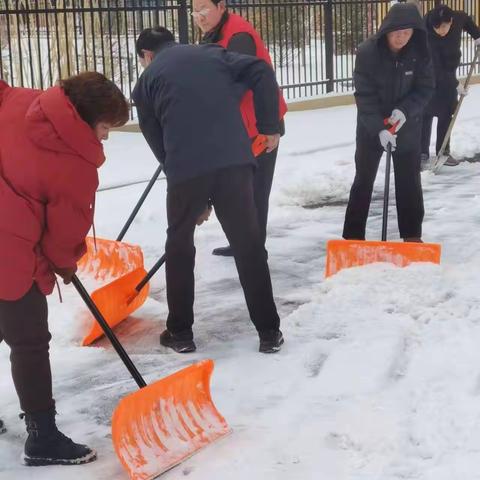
{"type": "Point", "coordinates": [312, 42]}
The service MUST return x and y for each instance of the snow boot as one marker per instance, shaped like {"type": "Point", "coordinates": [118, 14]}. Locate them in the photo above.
{"type": "Point", "coordinates": [223, 251]}
{"type": "Point", "coordinates": [270, 341]}
{"type": "Point", "coordinates": [2, 427]}
{"type": "Point", "coordinates": [46, 445]}
{"type": "Point", "coordinates": [180, 342]}
{"type": "Point", "coordinates": [451, 161]}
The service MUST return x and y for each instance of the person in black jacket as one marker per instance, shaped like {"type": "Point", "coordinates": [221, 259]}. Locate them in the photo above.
{"type": "Point", "coordinates": [393, 80]}
{"type": "Point", "coordinates": [445, 28]}
{"type": "Point", "coordinates": [187, 102]}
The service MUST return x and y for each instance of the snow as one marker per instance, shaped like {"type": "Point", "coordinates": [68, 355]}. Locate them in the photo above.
{"type": "Point", "coordinates": [379, 377]}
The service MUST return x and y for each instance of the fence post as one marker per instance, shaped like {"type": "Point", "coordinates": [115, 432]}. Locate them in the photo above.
{"type": "Point", "coordinates": [182, 21]}
{"type": "Point", "coordinates": [329, 44]}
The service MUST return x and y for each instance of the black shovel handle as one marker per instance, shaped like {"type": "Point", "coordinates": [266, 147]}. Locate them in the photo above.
{"type": "Point", "coordinates": [139, 204]}
{"type": "Point", "coordinates": [386, 192]}
{"type": "Point", "coordinates": [108, 332]}
{"type": "Point", "coordinates": [151, 273]}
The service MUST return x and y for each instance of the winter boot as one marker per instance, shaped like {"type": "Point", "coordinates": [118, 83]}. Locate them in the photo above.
{"type": "Point", "coordinates": [451, 161]}
{"type": "Point", "coordinates": [223, 251]}
{"type": "Point", "coordinates": [46, 445]}
{"type": "Point", "coordinates": [270, 341]}
{"type": "Point", "coordinates": [2, 427]}
{"type": "Point", "coordinates": [181, 343]}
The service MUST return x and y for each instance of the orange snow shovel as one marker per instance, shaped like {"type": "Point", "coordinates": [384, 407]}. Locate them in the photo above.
{"type": "Point", "coordinates": [166, 422]}
{"type": "Point", "coordinates": [353, 253]}
{"type": "Point", "coordinates": [106, 259]}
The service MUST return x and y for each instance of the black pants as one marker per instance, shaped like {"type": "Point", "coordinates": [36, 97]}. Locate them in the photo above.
{"type": "Point", "coordinates": [262, 186]}
{"type": "Point", "coordinates": [231, 191]}
{"type": "Point", "coordinates": [443, 108]}
{"type": "Point", "coordinates": [408, 191]}
{"type": "Point", "coordinates": [24, 327]}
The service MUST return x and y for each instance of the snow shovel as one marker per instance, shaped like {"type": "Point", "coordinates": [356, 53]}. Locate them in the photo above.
{"type": "Point", "coordinates": [106, 259]}
{"type": "Point", "coordinates": [353, 253]}
{"type": "Point", "coordinates": [441, 158]}
{"type": "Point", "coordinates": [166, 422]}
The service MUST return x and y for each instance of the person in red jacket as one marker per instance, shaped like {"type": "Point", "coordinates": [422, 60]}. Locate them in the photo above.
{"type": "Point", "coordinates": [50, 150]}
{"type": "Point", "coordinates": [234, 33]}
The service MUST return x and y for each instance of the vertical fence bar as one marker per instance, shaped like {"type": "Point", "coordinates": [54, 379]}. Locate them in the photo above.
{"type": "Point", "coordinates": [329, 47]}
{"type": "Point", "coordinates": [182, 21]}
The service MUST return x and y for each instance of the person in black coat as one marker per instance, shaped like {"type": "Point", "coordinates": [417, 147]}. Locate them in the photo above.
{"type": "Point", "coordinates": [445, 28]}
{"type": "Point", "coordinates": [187, 102]}
{"type": "Point", "coordinates": [394, 81]}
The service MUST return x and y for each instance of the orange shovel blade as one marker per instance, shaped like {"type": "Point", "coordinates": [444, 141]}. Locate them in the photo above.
{"type": "Point", "coordinates": [353, 253]}
{"type": "Point", "coordinates": [116, 301]}
{"type": "Point", "coordinates": [110, 258]}
{"type": "Point", "coordinates": [166, 422]}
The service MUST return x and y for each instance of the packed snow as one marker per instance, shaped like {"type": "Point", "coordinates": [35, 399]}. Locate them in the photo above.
{"type": "Point", "coordinates": [379, 377]}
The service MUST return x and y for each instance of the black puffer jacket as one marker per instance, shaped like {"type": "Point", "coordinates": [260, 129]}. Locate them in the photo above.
{"type": "Point", "coordinates": [385, 81]}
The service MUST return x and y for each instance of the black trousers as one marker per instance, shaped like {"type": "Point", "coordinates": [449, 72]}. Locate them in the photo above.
{"type": "Point", "coordinates": [262, 186]}
{"type": "Point", "coordinates": [442, 107]}
{"type": "Point", "coordinates": [24, 327]}
{"type": "Point", "coordinates": [408, 191]}
{"type": "Point", "coordinates": [231, 192]}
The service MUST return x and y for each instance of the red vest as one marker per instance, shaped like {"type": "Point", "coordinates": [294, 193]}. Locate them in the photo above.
{"type": "Point", "coordinates": [236, 24]}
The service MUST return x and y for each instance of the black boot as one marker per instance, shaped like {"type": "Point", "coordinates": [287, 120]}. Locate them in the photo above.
{"type": "Point", "coordinates": [46, 445]}
{"type": "Point", "coordinates": [181, 343]}
{"type": "Point", "coordinates": [2, 427]}
{"type": "Point", "coordinates": [223, 251]}
{"type": "Point", "coordinates": [270, 341]}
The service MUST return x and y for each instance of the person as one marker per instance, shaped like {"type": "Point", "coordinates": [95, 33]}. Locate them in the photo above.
{"type": "Point", "coordinates": [50, 143]}
{"type": "Point", "coordinates": [445, 29]}
{"type": "Point", "coordinates": [393, 80]}
{"type": "Point", "coordinates": [187, 102]}
{"type": "Point", "coordinates": [236, 34]}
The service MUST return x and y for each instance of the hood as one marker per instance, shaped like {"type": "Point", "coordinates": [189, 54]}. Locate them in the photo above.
{"type": "Point", "coordinates": [53, 123]}
{"type": "Point", "coordinates": [400, 17]}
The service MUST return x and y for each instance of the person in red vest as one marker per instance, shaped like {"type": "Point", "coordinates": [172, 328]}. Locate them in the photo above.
{"type": "Point", "coordinates": [234, 33]}
{"type": "Point", "coordinates": [51, 149]}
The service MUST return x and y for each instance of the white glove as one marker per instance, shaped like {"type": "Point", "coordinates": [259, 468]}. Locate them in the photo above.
{"type": "Point", "coordinates": [398, 119]}
{"type": "Point", "coordinates": [477, 42]}
{"type": "Point", "coordinates": [461, 90]}
{"type": "Point", "coordinates": [386, 137]}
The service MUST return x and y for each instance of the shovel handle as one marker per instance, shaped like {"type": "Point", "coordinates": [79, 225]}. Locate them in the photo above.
{"type": "Point", "coordinates": [386, 192]}
{"type": "Point", "coordinates": [139, 204]}
{"type": "Point", "coordinates": [108, 332]}
{"type": "Point", "coordinates": [151, 273]}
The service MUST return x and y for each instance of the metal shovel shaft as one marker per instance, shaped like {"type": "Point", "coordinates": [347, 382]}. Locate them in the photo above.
{"type": "Point", "coordinates": [386, 192]}
{"type": "Point", "coordinates": [151, 273]}
{"type": "Point", "coordinates": [139, 204]}
{"type": "Point", "coordinates": [108, 332]}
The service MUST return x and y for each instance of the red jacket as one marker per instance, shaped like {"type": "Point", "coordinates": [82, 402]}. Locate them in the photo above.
{"type": "Point", "coordinates": [236, 24]}
{"type": "Point", "coordinates": [48, 177]}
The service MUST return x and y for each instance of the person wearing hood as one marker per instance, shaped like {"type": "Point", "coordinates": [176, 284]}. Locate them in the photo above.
{"type": "Point", "coordinates": [394, 81]}
{"type": "Point", "coordinates": [51, 148]}
{"type": "Point", "coordinates": [445, 28]}
{"type": "Point", "coordinates": [187, 101]}
{"type": "Point", "coordinates": [236, 34]}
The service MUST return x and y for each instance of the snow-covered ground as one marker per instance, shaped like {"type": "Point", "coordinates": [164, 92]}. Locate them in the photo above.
{"type": "Point", "coordinates": [379, 377]}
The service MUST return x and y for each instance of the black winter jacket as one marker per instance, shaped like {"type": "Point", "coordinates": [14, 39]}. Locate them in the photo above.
{"type": "Point", "coordinates": [446, 52]}
{"type": "Point", "coordinates": [188, 107]}
{"type": "Point", "coordinates": [384, 81]}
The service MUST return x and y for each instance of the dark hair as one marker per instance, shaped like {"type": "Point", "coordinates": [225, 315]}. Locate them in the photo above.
{"type": "Point", "coordinates": [441, 14]}
{"type": "Point", "coordinates": [152, 39]}
{"type": "Point", "coordinates": [96, 99]}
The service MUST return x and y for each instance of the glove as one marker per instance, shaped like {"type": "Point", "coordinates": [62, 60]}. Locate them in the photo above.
{"type": "Point", "coordinates": [477, 42]}
{"type": "Point", "coordinates": [397, 118]}
{"type": "Point", "coordinates": [461, 90]}
{"type": "Point", "coordinates": [66, 273]}
{"type": "Point", "coordinates": [204, 216]}
{"type": "Point", "coordinates": [386, 137]}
